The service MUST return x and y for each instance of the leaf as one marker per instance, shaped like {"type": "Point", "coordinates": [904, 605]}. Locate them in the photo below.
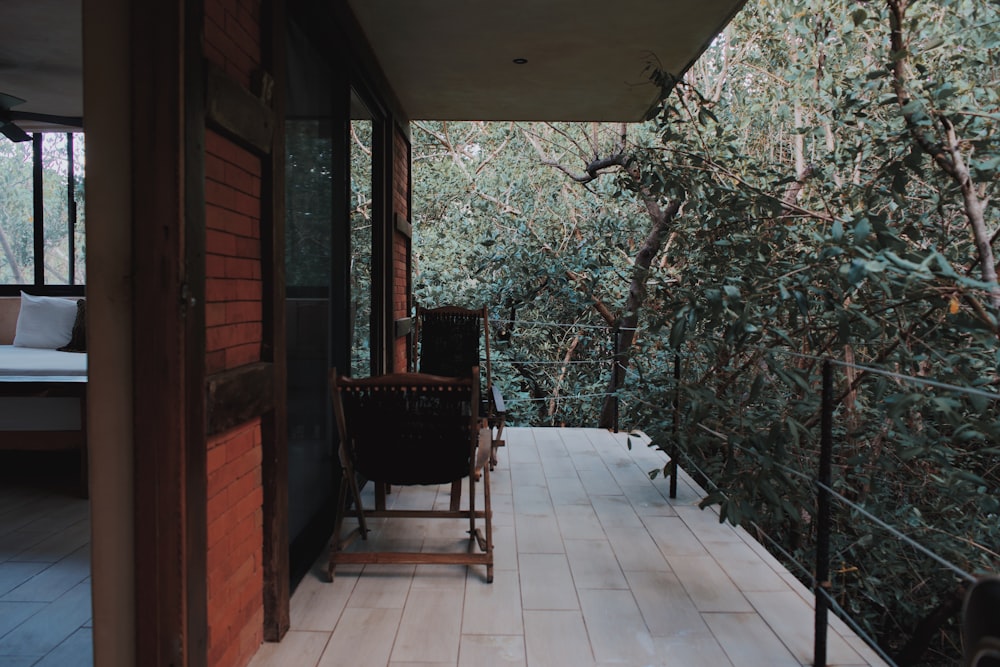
{"type": "Point", "coordinates": [862, 228]}
{"type": "Point", "coordinates": [837, 230]}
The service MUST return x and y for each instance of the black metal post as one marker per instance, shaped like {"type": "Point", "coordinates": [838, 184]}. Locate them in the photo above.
{"type": "Point", "coordinates": [822, 586]}
{"type": "Point", "coordinates": [71, 207]}
{"type": "Point", "coordinates": [616, 339]}
{"type": "Point", "coordinates": [674, 451]}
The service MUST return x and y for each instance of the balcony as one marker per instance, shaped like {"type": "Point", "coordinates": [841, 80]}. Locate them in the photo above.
{"type": "Point", "coordinates": [594, 566]}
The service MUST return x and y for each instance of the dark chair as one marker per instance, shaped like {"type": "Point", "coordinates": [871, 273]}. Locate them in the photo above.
{"type": "Point", "coordinates": [447, 342]}
{"type": "Point", "coordinates": [405, 429]}
{"type": "Point", "coordinates": [981, 623]}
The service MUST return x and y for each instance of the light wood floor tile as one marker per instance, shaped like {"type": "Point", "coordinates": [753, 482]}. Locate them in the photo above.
{"type": "Point", "coordinates": [567, 491]}
{"type": "Point", "coordinates": [647, 500]}
{"type": "Point", "coordinates": [556, 639]}
{"type": "Point", "coordinates": [492, 651]}
{"type": "Point", "coordinates": [317, 604]}
{"type": "Point", "coordinates": [616, 628]}
{"type": "Point", "coordinates": [546, 582]}
{"type": "Point", "coordinates": [636, 550]}
{"type": "Point", "coordinates": [707, 584]}
{"type": "Point", "coordinates": [673, 537]}
{"type": "Point", "coordinates": [599, 482]}
{"type": "Point", "coordinates": [430, 628]}
{"type": "Point", "coordinates": [665, 605]}
{"type": "Point", "coordinates": [533, 501]}
{"type": "Point", "coordinates": [749, 642]}
{"type": "Point", "coordinates": [579, 522]}
{"type": "Point", "coordinates": [504, 548]}
{"type": "Point", "coordinates": [745, 568]}
{"type": "Point", "coordinates": [616, 512]}
{"type": "Point", "coordinates": [593, 565]}
{"type": "Point", "coordinates": [705, 524]}
{"type": "Point", "coordinates": [363, 638]}
{"type": "Point", "coordinates": [382, 586]}
{"type": "Point", "coordinates": [444, 577]}
{"type": "Point", "coordinates": [788, 614]}
{"type": "Point", "coordinates": [538, 535]}
{"type": "Point", "coordinates": [493, 609]}
{"type": "Point", "coordinates": [695, 649]}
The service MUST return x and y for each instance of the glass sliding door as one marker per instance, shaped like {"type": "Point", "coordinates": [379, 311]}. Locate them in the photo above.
{"type": "Point", "coordinates": [361, 213]}
{"type": "Point", "coordinates": [311, 167]}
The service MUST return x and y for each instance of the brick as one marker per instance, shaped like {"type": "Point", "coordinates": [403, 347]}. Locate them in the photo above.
{"type": "Point", "coordinates": [221, 243]}
{"type": "Point", "coordinates": [215, 361]}
{"type": "Point", "coordinates": [241, 355]}
{"type": "Point", "coordinates": [243, 311]}
{"type": "Point", "coordinates": [241, 267]}
{"type": "Point", "coordinates": [247, 247]}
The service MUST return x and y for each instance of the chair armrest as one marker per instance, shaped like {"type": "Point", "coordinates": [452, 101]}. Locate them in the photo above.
{"type": "Point", "coordinates": [485, 447]}
{"type": "Point", "coordinates": [498, 404]}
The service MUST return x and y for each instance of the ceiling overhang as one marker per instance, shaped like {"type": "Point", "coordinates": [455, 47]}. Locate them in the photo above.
{"type": "Point", "coordinates": [586, 60]}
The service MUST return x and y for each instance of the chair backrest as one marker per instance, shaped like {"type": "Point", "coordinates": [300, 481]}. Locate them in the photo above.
{"type": "Point", "coordinates": [448, 339]}
{"type": "Point", "coordinates": [981, 623]}
{"type": "Point", "coordinates": [408, 428]}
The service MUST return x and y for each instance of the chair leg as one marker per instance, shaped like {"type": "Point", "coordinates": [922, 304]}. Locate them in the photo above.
{"type": "Point", "coordinates": [456, 495]}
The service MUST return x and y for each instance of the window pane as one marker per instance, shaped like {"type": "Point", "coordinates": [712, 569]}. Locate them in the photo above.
{"type": "Point", "coordinates": [55, 172]}
{"type": "Point", "coordinates": [80, 270]}
{"type": "Point", "coordinates": [17, 264]}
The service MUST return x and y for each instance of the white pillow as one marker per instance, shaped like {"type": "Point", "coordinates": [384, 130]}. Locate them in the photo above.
{"type": "Point", "coordinates": [44, 321]}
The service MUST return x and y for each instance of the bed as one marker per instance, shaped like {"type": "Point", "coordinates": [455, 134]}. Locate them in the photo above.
{"type": "Point", "coordinates": [43, 391]}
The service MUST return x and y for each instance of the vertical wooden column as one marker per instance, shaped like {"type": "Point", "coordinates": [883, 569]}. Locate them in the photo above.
{"type": "Point", "coordinates": [168, 332]}
{"type": "Point", "coordinates": [274, 425]}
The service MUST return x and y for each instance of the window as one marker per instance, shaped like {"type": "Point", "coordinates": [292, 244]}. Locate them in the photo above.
{"type": "Point", "coordinates": [42, 241]}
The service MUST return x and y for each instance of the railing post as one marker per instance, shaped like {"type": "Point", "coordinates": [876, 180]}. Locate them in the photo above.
{"type": "Point", "coordinates": [822, 585]}
{"type": "Point", "coordinates": [616, 340]}
{"type": "Point", "coordinates": [674, 451]}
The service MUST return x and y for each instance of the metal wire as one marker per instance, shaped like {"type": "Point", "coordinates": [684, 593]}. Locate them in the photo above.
{"type": "Point", "coordinates": [563, 325]}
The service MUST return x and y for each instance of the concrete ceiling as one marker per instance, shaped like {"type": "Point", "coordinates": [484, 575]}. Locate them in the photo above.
{"type": "Point", "coordinates": [41, 57]}
{"type": "Point", "coordinates": [586, 59]}
{"type": "Point", "coordinates": [446, 59]}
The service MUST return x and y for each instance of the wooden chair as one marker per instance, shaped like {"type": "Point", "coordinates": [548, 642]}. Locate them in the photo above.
{"type": "Point", "coordinates": [406, 429]}
{"type": "Point", "coordinates": [446, 342]}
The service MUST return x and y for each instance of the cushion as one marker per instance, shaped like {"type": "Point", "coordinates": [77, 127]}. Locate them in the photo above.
{"type": "Point", "coordinates": [44, 321]}
{"type": "Point", "coordinates": [78, 339]}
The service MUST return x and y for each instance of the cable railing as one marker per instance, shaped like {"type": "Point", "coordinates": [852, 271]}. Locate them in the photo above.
{"type": "Point", "coordinates": [826, 496]}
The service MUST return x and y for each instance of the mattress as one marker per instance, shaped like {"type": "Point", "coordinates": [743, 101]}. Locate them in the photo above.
{"type": "Point", "coordinates": [30, 364]}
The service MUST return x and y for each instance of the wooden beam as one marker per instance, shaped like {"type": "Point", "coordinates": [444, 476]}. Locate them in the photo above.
{"type": "Point", "coordinates": [236, 396]}
{"type": "Point", "coordinates": [237, 112]}
{"type": "Point", "coordinates": [274, 424]}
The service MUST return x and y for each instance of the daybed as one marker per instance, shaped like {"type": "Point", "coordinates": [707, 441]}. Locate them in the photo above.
{"type": "Point", "coordinates": [43, 389]}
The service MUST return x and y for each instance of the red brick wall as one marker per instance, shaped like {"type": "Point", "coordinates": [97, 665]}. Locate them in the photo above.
{"type": "Point", "coordinates": [234, 329]}
{"type": "Point", "coordinates": [232, 37]}
{"type": "Point", "coordinates": [235, 536]}
{"type": "Point", "coordinates": [233, 288]}
{"type": "Point", "coordinates": [401, 244]}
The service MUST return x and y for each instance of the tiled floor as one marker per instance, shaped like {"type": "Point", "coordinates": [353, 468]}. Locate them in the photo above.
{"type": "Point", "coordinates": [594, 566]}
{"type": "Point", "coordinates": [44, 575]}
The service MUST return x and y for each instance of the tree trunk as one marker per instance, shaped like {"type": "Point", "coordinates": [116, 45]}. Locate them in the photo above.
{"type": "Point", "coordinates": [658, 233]}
